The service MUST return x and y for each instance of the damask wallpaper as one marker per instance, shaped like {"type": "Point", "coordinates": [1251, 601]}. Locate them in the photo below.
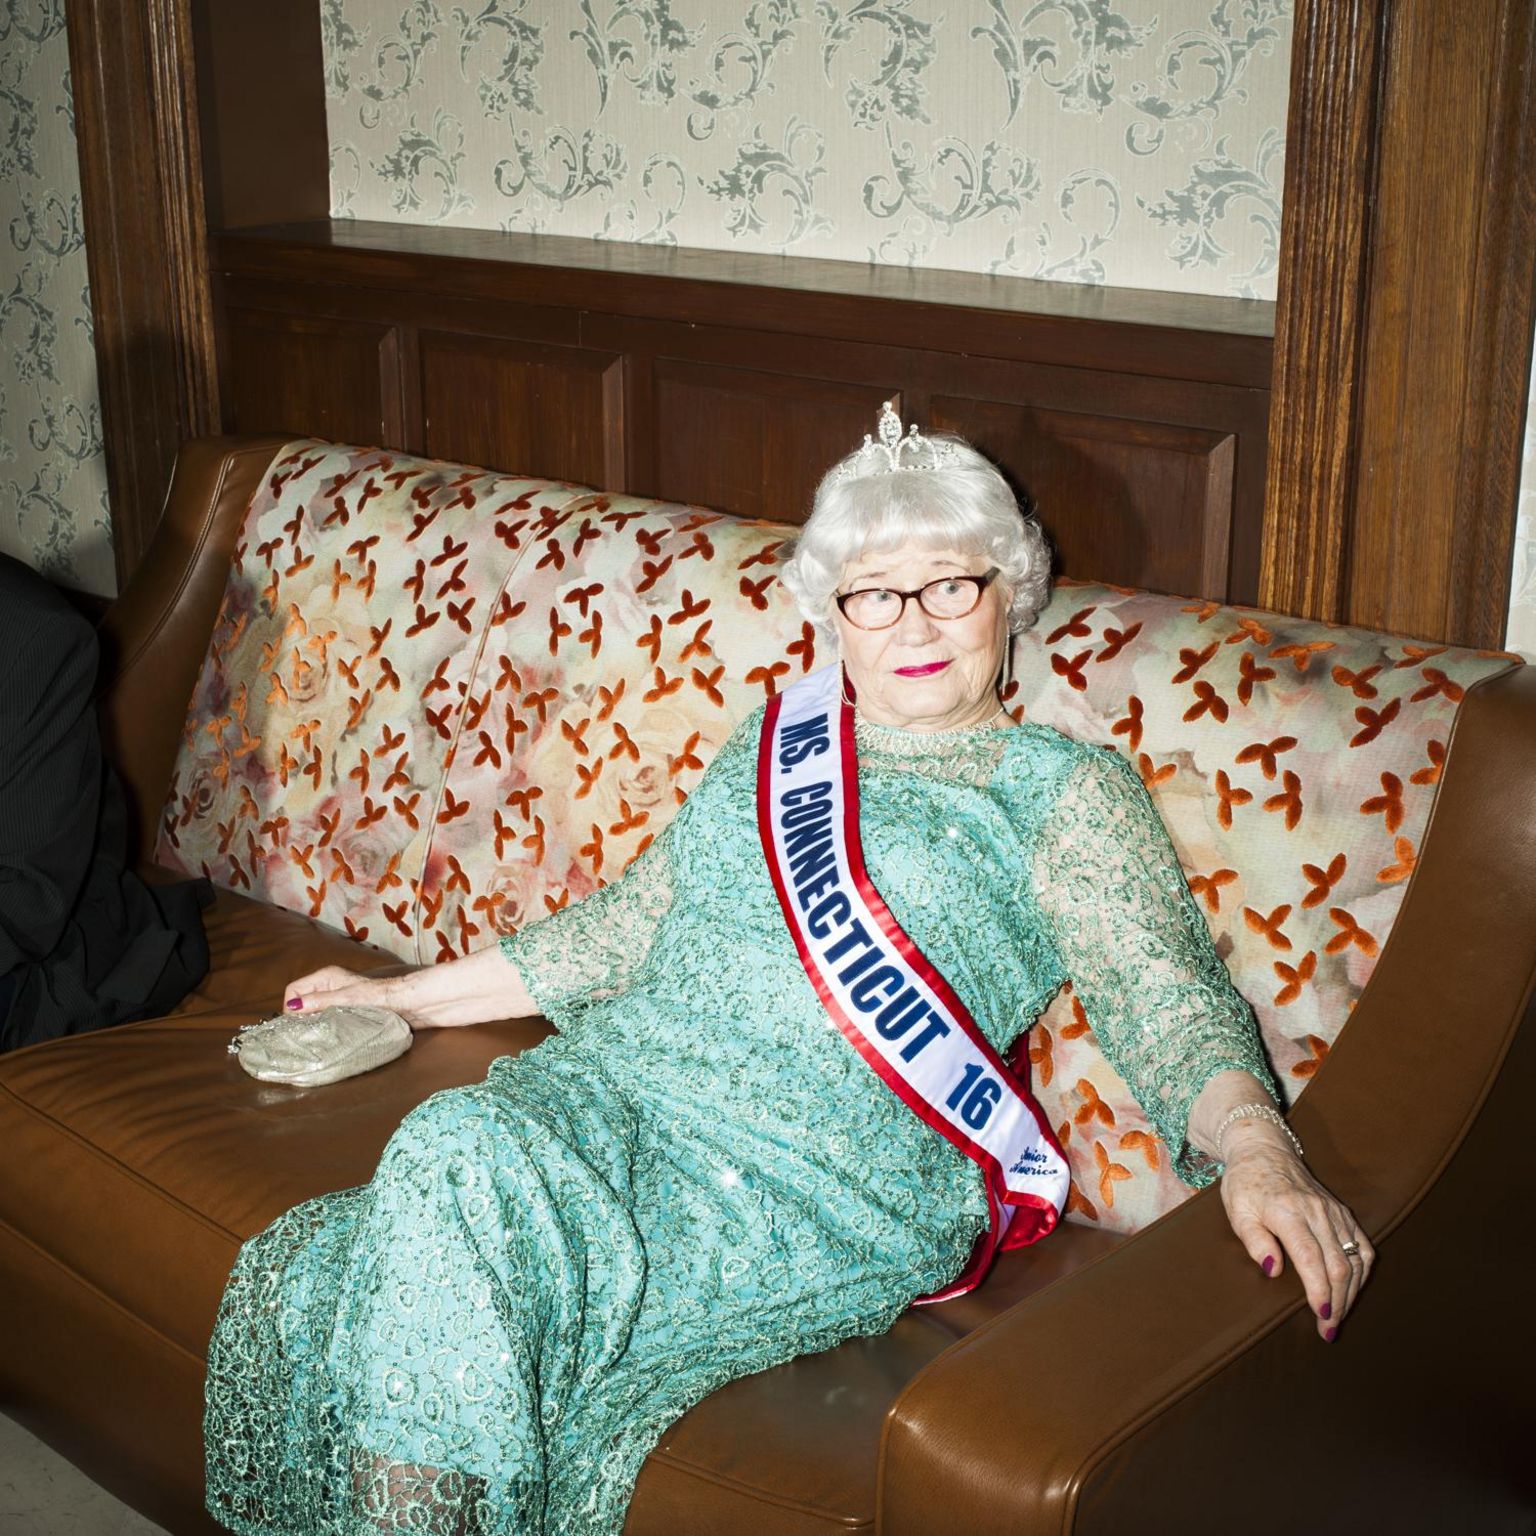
{"type": "Point", "coordinates": [1090, 141]}
{"type": "Point", "coordinates": [53, 474]}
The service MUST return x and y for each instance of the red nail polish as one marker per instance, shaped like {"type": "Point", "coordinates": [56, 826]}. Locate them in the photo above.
{"type": "Point", "coordinates": [1331, 1335]}
{"type": "Point", "coordinates": [294, 1002]}
{"type": "Point", "coordinates": [1325, 1311]}
{"type": "Point", "coordinates": [1269, 1265]}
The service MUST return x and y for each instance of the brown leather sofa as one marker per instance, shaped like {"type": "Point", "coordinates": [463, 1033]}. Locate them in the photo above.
{"type": "Point", "coordinates": [1094, 1384]}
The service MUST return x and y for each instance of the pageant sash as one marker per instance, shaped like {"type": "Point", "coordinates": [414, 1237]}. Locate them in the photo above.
{"type": "Point", "coordinates": [893, 1006]}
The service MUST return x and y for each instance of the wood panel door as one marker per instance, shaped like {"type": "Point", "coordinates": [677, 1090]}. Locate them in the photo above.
{"type": "Point", "coordinates": [751, 441]}
{"type": "Point", "coordinates": [1141, 503]}
{"type": "Point", "coordinates": [522, 406]}
{"type": "Point", "coordinates": [313, 376]}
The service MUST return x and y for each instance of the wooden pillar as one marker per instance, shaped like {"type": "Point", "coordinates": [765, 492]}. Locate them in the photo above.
{"type": "Point", "coordinates": [1403, 330]}
{"type": "Point", "coordinates": [146, 249]}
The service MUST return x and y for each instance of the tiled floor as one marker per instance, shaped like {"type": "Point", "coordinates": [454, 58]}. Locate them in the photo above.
{"type": "Point", "coordinates": [41, 1494]}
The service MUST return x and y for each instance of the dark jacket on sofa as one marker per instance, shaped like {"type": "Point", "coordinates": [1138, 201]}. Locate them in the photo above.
{"type": "Point", "coordinates": [83, 941]}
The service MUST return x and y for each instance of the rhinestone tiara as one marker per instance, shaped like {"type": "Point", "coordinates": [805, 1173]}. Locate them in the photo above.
{"type": "Point", "coordinates": [894, 452]}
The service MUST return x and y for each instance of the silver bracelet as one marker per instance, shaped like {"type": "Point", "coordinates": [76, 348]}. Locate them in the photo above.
{"type": "Point", "coordinates": [1255, 1112]}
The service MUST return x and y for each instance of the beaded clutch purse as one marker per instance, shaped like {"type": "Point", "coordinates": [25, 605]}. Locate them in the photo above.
{"type": "Point", "coordinates": [308, 1049]}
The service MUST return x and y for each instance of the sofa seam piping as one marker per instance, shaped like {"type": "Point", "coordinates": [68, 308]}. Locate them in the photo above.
{"type": "Point", "coordinates": [96, 1291]}
{"type": "Point", "coordinates": [1259, 1335]}
{"type": "Point", "coordinates": [103, 1156]}
{"type": "Point", "coordinates": [762, 1495]}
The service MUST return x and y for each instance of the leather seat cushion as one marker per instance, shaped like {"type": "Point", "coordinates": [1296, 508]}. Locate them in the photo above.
{"type": "Point", "coordinates": [141, 1157]}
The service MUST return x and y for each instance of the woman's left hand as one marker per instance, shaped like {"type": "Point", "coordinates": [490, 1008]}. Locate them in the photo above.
{"type": "Point", "coordinates": [473, 989]}
{"type": "Point", "coordinates": [1276, 1208]}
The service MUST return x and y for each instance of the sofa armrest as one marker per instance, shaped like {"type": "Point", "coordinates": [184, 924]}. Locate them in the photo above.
{"type": "Point", "coordinates": [1170, 1386]}
{"type": "Point", "coordinates": [153, 638]}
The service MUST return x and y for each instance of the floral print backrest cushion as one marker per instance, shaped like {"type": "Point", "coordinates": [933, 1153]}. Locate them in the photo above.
{"type": "Point", "coordinates": [363, 587]}
{"type": "Point", "coordinates": [438, 702]}
{"type": "Point", "coordinates": [646, 632]}
{"type": "Point", "coordinates": [1294, 764]}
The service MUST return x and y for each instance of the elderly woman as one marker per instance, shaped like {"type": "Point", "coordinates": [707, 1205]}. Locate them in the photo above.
{"type": "Point", "coordinates": [775, 1113]}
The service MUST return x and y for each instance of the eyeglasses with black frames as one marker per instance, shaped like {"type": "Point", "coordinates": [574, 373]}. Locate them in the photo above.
{"type": "Point", "coordinates": [950, 597]}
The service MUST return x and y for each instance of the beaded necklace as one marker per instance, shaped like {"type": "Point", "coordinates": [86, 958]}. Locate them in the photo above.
{"type": "Point", "coordinates": [898, 741]}
{"type": "Point", "coordinates": [966, 754]}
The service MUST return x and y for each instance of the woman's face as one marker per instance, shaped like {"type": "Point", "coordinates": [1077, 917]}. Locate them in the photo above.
{"type": "Point", "coordinates": [923, 673]}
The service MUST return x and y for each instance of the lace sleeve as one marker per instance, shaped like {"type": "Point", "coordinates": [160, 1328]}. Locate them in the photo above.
{"type": "Point", "coordinates": [1162, 1006]}
{"type": "Point", "coordinates": [594, 948]}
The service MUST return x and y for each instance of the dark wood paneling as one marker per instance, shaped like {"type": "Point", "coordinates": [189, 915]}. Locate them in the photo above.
{"type": "Point", "coordinates": [1498, 347]}
{"type": "Point", "coordinates": [516, 405]}
{"type": "Point", "coordinates": [1149, 477]}
{"type": "Point", "coordinates": [1165, 421]}
{"type": "Point", "coordinates": [146, 251]}
{"type": "Point", "coordinates": [428, 308]}
{"type": "Point", "coordinates": [1405, 312]}
{"type": "Point", "coordinates": [753, 442]}
{"type": "Point", "coordinates": [261, 72]}
{"type": "Point", "coordinates": [1371, 175]}
{"type": "Point", "coordinates": [1137, 502]}
{"type": "Point", "coordinates": [1422, 561]}
{"type": "Point", "coordinates": [313, 376]}
{"type": "Point", "coordinates": [1120, 330]}
{"type": "Point", "coordinates": [1335, 56]}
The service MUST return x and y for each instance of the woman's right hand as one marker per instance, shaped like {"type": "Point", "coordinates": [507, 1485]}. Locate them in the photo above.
{"type": "Point", "coordinates": [478, 988]}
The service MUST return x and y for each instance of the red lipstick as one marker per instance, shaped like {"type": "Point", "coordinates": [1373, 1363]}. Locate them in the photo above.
{"type": "Point", "coordinates": [925, 671]}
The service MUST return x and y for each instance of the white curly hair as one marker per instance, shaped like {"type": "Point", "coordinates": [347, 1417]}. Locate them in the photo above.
{"type": "Point", "coordinates": [964, 505]}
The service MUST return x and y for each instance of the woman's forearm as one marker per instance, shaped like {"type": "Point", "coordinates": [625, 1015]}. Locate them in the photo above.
{"type": "Point", "coordinates": [478, 988]}
{"type": "Point", "coordinates": [1222, 1094]}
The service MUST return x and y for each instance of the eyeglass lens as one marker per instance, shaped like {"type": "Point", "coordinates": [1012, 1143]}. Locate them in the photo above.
{"type": "Point", "coordinates": [880, 607]}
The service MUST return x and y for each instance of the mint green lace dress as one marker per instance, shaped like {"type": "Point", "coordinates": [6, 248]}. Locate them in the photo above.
{"type": "Point", "coordinates": [697, 1177]}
